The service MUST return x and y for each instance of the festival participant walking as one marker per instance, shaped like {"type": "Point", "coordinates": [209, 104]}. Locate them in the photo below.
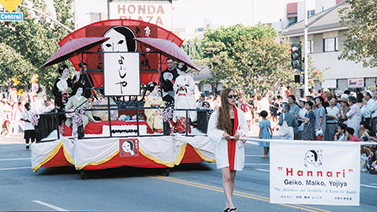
{"type": "Point", "coordinates": [225, 122]}
{"type": "Point", "coordinates": [265, 132]}
{"type": "Point", "coordinates": [26, 116]}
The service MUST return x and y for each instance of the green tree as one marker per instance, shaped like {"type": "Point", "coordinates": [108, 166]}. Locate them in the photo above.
{"type": "Point", "coordinates": [193, 49]}
{"type": "Point", "coordinates": [32, 41]}
{"type": "Point", "coordinates": [361, 20]}
{"type": "Point", "coordinates": [247, 58]}
{"type": "Point", "coordinates": [14, 65]}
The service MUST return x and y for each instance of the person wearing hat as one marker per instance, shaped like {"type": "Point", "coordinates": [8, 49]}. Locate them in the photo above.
{"type": "Point", "coordinates": [367, 110]}
{"type": "Point", "coordinates": [331, 120]}
{"type": "Point", "coordinates": [354, 115]}
{"type": "Point", "coordinates": [344, 108]}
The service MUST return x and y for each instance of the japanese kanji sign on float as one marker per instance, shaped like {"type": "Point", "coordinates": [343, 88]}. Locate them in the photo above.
{"type": "Point", "coordinates": [326, 173]}
{"type": "Point", "coordinates": [122, 74]}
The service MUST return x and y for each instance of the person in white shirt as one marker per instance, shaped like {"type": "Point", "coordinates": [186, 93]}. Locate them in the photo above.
{"type": "Point", "coordinates": [331, 120]}
{"type": "Point", "coordinates": [301, 114]}
{"type": "Point", "coordinates": [36, 105]}
{"type": "Point", "coordinates": [264, 104]}
{"type": "Point", "coordinates": [354, 115]}
{"type": "Point", "coordinates": [282, 91]}
{"type": "Point", "coordinates": [29, 134]}
{"type": "Point", "coordinates": [367, 111]}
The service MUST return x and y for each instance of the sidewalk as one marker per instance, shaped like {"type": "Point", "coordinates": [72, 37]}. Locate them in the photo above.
{"type": "Point", "coordinates": [13, 139]}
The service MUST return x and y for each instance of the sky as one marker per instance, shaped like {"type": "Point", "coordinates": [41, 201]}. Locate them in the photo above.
{"type": "Point", "coordinates": [191, 13]}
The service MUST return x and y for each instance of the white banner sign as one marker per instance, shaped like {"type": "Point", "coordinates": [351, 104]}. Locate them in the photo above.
{"type": "Point", "coordinates": [121, 74]}
{"type": "Point", "coordinates": [325, 173]}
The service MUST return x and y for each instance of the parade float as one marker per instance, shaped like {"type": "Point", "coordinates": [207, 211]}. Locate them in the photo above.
{"type": "Point", "coordinates": [123, 57]}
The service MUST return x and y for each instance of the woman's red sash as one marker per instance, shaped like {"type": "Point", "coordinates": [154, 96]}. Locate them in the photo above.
{"type": "Point", "coordinates": [232, 143]}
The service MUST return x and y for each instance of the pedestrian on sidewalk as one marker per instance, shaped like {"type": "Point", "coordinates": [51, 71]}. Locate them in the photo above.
{"type": "Point", "coordinates": [29, 134]}
{"type": "Point", "coordinates": [225, 122]}
{"type": "Point", "coordinates": [265, 132]}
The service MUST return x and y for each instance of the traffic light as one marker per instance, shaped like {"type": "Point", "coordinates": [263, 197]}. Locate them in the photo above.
{"type": "Point", "coordinates": [296, 56]}
{"type": "Point", "coordinates": [297, 78]}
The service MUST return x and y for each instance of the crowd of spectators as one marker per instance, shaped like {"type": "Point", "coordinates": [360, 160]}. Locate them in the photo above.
{"type": "Point", "coordinates": [10, 113]}
{"type": "Point", "coordinates": [324, 115]}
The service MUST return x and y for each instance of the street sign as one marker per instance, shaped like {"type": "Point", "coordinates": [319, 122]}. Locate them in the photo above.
{"type": "Point", "coordinates": [10, 5]}
{"type": "Point", "coordinates": [11, 17]}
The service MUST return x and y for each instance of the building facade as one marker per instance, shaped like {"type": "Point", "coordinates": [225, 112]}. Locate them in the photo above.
{"type": "Point", "coordinates": [325, 44]}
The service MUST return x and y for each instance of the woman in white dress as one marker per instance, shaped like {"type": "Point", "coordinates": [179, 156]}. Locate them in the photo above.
{"type": "Point", "coordinates": [225, 122]}
{"type": "Point", "coordinates": [184, 88]}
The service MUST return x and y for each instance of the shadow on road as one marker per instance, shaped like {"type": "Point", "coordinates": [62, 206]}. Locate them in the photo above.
{"type": "Point", "coordinates": [122, 172]}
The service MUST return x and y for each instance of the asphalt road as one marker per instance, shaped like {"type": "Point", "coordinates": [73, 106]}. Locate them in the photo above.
{"type": "Point", "coordinates": [190, 187]}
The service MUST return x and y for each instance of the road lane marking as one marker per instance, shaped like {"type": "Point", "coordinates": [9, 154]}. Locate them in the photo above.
{"type": "Point", "coordinates": [15, 168]}
{"type": "Point", "coordinates": [263, 170]}
{"type": "Point", "coordinates": [49, 205]}
{"type": "Point", "coordinates": [8, 159]}
{"type": "Point", "coordinates": [369, 186]}
{"type": "Point", "coordinates": [237, 193]}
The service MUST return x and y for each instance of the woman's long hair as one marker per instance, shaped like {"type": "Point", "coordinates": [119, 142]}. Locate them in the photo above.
{"type": "Point", "coordinates": [223, 120]}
